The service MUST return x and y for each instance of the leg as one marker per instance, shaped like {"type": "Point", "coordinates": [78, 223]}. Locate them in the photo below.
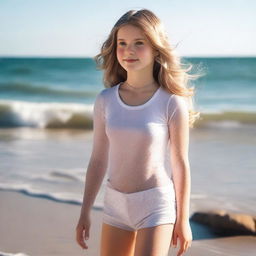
{"type": "Point", "coordinates": [154, 241]}
{"type": "Point", "coordinates": [116, 241]}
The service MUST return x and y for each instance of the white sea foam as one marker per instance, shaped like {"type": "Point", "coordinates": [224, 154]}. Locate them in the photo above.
{"type": "Point", "coordinates": [13, 254]}
{"type": "Point", "coordinates": [43, 115]}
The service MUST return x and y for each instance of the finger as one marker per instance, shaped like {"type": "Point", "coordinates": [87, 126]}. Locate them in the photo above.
{"type": "Point", "coordinates": [80, 238]}
{"type": "Point", "coordinates": [186, 246]}
{"type": "Point", "coordinates": [174, 240]}
{"type": "Point", "coordinates": [182, 248]}
{"type": "Point", "coordinates": [189, 243]}
{"type": "Point", "coordinates": [81, 242]}
{"type": "Point", "coordinates": [86, 234]}
{"type": "Point", "coordinates": [180, 252]}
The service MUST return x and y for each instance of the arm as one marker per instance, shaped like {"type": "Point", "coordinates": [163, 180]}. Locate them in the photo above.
{"type": "Point", "coordinates": [179, 141]}
{"type": "Point", "coordinates": [95, 171]}
{"type": "Point", "coordinates": [179, 146]}
{"type": "Point", "coordinates": [98, 161]}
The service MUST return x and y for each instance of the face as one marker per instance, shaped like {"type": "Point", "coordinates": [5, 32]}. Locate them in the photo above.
{"type": "Point", "coordinates": [134, 52]}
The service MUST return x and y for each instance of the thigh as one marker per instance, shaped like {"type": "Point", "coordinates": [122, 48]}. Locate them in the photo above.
{"type": "Point", "coordinates": [154, 241]}
{"type": "Point", "coordinates": [116, 241]}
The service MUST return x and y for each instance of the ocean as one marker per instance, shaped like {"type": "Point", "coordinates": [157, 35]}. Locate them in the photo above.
{"type": "Point", "coordinates": [46, 129]}
{"type": "Point", "coordinates": [60, 92]}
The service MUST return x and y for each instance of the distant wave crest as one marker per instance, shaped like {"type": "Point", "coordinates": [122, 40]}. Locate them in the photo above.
{"type": "Point", "coordinates": [79, 116]}
{"type": "Point", "coordinates": [227, 119]}
{"type": "Point", "coordinates": [45, 115]}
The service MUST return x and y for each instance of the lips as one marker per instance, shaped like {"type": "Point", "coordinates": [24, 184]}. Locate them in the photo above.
{"type": "Point", "coordinates": [130, 60]}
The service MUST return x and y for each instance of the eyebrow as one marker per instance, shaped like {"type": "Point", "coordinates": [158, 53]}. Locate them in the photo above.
{"type": "Point", "coordinates": [134, 39]}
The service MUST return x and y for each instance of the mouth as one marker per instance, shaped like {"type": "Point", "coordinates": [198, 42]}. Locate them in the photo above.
{"type": "Point", "coordinates": [130, 60]}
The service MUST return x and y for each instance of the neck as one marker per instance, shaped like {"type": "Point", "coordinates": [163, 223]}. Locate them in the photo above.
{"type": "Point", "coordinates": [140, 79]}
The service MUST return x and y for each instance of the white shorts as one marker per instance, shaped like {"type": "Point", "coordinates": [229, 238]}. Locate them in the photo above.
{"type": "Point", "coordinates": [133, 211]}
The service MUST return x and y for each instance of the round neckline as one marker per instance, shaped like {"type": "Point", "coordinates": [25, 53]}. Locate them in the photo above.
{"type": "Point", "coordinates": [135, 106]}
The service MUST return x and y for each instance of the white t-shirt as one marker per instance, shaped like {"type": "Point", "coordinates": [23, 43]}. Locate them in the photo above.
{"type": "Point", "coordinates": [132, 142]}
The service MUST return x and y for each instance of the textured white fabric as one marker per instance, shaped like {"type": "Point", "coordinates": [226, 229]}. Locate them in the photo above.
{"type": "Point", "coordinates": [132, 142]}
{"type": "Point", "coordinates": [124, 210]}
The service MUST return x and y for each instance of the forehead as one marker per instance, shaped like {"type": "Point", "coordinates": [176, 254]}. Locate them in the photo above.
{"type": "Point", "coordinates": [129, 32]}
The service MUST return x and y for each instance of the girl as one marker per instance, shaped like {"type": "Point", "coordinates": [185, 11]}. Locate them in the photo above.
{"type": "Point", "coordinates": [141, 119]}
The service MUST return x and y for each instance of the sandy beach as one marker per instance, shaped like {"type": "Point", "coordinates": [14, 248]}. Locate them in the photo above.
{"type": "Point", "coordinates": [41, 227]}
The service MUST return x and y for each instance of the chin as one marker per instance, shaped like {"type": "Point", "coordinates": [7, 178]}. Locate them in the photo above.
{"type": "Point", "coordinates": [132, 67]}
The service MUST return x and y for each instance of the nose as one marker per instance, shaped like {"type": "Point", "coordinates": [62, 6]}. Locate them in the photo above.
{"type": "Point", "coordinates": [130, 49]}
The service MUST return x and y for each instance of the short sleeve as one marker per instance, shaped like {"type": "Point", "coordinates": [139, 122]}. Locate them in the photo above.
{"type": "Point", "coordinates": [98, 110]}
{"type": "Point", "coordinates": [178, 123]}
{"type": "Point", "coordinates": [100, 140]}
{"type": "Point", "coordinates": [177, 108]}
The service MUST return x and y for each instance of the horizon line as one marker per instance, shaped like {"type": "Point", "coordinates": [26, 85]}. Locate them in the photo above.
{"type": "Point", "coordinates": [91, 57]}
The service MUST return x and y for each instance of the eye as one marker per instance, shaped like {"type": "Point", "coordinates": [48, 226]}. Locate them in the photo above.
{"type": "Point", "coordinates": [139, 43]}
{"type": "Point", "coordinates": [121, 43]}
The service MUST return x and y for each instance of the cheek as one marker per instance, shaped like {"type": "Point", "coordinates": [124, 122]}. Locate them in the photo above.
{"type": "Point", "coordinates": [145, 53]}
{"type": "Point", "coordinates": [119, 52]}
{"type": "Point", "coordinates": [120, 56]}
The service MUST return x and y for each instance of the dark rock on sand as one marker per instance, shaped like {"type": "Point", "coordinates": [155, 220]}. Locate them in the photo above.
{"type": "Point", "coordinates": [227, 223]}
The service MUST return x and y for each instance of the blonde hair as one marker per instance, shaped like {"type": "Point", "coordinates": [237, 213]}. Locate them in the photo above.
{"type": "Point", "coordinates": [167, 69]}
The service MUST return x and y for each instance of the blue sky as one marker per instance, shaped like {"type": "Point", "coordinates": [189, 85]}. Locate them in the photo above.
{"type": "Point", "coordinates": [79, 27]}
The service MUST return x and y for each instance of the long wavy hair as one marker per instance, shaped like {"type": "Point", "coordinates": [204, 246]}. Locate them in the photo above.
{"type": "Point", "coordinates": [167, 69]}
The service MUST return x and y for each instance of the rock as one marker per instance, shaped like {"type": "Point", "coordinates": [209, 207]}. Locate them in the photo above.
{"type": "Point", "coordinates": [228, 223]}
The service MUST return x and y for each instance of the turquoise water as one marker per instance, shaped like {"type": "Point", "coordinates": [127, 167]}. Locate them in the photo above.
{"type": "Point", "coordinates": [36, 91]}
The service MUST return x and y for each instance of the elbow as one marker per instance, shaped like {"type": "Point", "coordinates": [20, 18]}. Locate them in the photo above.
{"type": "Point", "coordinates": [180, 164]}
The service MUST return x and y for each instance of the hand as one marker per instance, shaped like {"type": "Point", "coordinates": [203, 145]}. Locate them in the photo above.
{"type": "Point", "coordinates": [82, 230]}
{"type": "Point", "coordinates": [182, 231]}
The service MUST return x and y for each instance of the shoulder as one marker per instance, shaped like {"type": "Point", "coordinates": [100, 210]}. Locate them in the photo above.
{"type": "Point", "coordinates": [175, 100]}
{"type": "Point", "coordinates": [178, 100]}
{"type": "Point", "coordinates": [105, 94]}
{"type": "Point", "coordinates": [177, 106]}
{"type": "Point", "coordinates": [172, 100]}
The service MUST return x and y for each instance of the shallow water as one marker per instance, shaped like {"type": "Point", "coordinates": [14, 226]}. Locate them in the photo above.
{"type": "Point", "coordinates": [52, 163]}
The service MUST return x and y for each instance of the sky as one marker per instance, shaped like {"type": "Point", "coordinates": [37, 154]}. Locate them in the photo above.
{"type": "Point", "coordinates": [77, 28]}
